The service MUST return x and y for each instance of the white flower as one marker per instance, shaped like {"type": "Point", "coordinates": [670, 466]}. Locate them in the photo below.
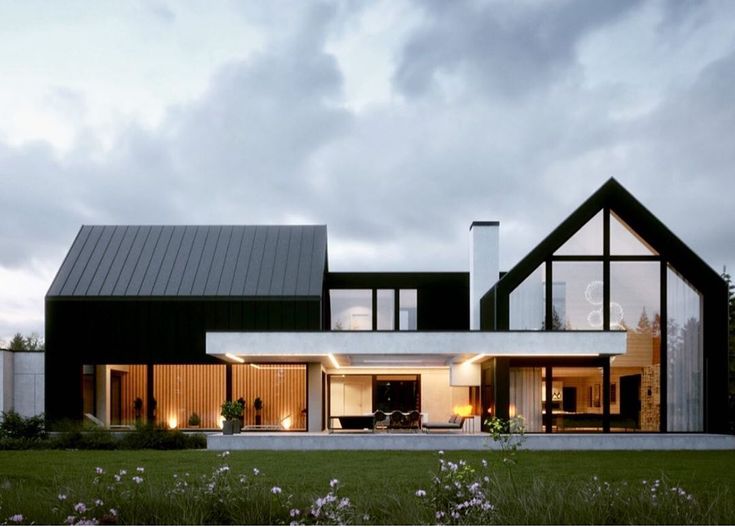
{"type": "Point", "coordinates": [439, 514]}
{"type": "Point", "coordinates": [294, 512]}
{"type": "Point", "coordinates": [61, 497]}
{"type": "Point", "coordinates": [366, 517]}
{"type": "Point", "coordinates": [117, 478]}
{"type": "Point", "coordinates": [484, 463]}
{"type": "Point", "coordinates": [140, 469]}
{"type": "Point", "coordinates": [420, 493]}
{"type": "Point", "coordinates": [98, 503]}
{"type": "Point", "coordinates": [113, 512]}
{"type": "Point", "coordinates": [16, 518]}
{"type": "Point", "coordinates": [70, 520]}
{"type": "Point", "coordinates": [276, 490]}
{"type": "Point", "coordinates": [137, 479]}
{"type": "Point", "coordinates": [99, 470]}
{"type": "Point", "coordinates": [225, 453]}
{"type": "Point", "coordinates": [441, 452]}
{"type": "Point", "coordinates": [256, 471]}
{"type": "Point", "coordinates": [333, 483]}
{"type": "Point", "coordinates": [80, 507]}
{"type": "Point", "coordinates": [343, 503]}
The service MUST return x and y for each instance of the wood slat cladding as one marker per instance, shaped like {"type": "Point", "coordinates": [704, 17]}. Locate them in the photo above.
{"type": "Point", "coordinates": [132, 386]}
{"type": "Point", "coordinates": [183, 389]}
{"type": "Point", "coordinates": [281, 387]}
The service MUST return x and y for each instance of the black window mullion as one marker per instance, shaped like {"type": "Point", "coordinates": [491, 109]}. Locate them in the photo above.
{"type": "Point", "coordinates": [375, 309]}
{"type": "Point", "coordinates": [663, 342]}
{"type": "Point", "coordinates": [549, 300]}
{"type": "Point", "coordinates": [606, 270]}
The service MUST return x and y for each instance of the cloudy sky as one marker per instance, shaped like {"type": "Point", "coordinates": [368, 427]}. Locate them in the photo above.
{"type": "Point", "coordinates": [396, 123]}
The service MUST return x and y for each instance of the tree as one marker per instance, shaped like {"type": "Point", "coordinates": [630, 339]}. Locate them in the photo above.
{"type": "Point", "coordinates": [644, 324]}
{"type": "Point", "coordinates": [18, 343]}
{"type": "Point", "coordinates": [731, 344]}
{"type": "Point", "coordinates": [30, 343]}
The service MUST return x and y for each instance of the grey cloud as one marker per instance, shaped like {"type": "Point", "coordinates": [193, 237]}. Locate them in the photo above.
{"type": "Point", "coordinates": [501, 48]}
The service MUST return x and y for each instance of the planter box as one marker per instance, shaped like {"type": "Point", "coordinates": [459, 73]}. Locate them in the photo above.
{"type": "Point", "coordinates": [231, 426]}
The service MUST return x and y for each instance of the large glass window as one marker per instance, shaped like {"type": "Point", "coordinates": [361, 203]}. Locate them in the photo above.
{"type": "Point", "coordinates": [407, 310]}
{"type": "Point", "coordinates": [386, 309]}
{"type": "Point", "coordinates": [625, 241]}
{"type": "Point", "coordinates": [527, 301]}
{"type": "Point", "coordinates": [576, 398]}
{"type": "Point", "coordinates": [684, 368]}
{"type": "Point", "coordinates": [587, 240]}
{"type": "Point", "coordinates": [635, 298]}
{"type": "Point", "coordinates": [351, 309]}
{"type": "Point", "coordinates": [577, 296]}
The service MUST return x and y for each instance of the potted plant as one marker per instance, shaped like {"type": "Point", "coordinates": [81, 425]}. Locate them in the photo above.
{"type": "Point", "coordinates": [231, 411]}
{"type": "Point", "coordinates": [194, 420]}
{"type": "Point", "coordinates": [258, 405]}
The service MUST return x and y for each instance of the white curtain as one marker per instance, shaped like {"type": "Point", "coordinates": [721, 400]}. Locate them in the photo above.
{"type": "Point", "coordinates": [525, 396]}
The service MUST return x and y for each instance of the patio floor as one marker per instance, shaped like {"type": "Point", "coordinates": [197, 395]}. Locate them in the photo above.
{"type": "Point", "coordinates": [455, 441]}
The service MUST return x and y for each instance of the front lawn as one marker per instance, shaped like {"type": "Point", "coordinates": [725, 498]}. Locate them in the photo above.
{"type": "Point", "coordinates": [380, 484]}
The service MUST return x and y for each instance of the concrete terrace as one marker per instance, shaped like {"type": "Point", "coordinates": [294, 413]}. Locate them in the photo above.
{"type": "Point", "coordinates": [450, 441]}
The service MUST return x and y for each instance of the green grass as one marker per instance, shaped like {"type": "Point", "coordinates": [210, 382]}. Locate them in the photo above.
{"type": "Point", "coordinates": [374, 480]}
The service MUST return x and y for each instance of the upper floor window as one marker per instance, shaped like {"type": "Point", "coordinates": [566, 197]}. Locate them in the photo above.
{"type": "Point", "coordinates": [351, 309]}
{"type": "Point", "coordinates": [368, 309]}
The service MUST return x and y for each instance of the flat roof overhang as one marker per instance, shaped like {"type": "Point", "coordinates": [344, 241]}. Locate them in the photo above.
{"type": "Point", "coordinates": [418, 349]}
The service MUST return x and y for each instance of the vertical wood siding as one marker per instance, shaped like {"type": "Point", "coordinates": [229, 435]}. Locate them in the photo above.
{"type": "Point", "coordinates": [133, 385]}
{"type": "Point", "coordinates": [281, 387]}
{"type": "Point", "coordinates": [182, 389]}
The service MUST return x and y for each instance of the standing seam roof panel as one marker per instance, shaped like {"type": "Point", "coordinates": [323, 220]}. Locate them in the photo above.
{"type": "Point", "coordinates": [94, 261]}
{"type": "Point", "coordinates": [132, 261]}
{"type": "Point", "coordinates": [218, 261]}
{"type": "Point", "coordinates": [83, 260]}
{"type": "Point", "coordinates": [267, 262]}
{"type": "Point", "coordinates": [192, 265]}
{"type": "Point", "coordinates": [290, 277]}
{"type": "Point", "coordinates": [228, 269]}
{"type": "Point", "coordinates": [100, 275]}
{"type": "Point", "coordinates": [318, 256]}
{"type": "Point", "coordinates": [154, 267]}
{"type": "Point", "coordinates": [182, 260]}
{"type": "Point", "coordinates": [256, 257]}
{"type": "Point", "coordinates": [67, 265]}
{"type": "Point", "coordinates": [108, 285]}
{"type": "Point", "coordinates": [243, 260]}
{"type": "Point", "coordinates": [279, 268]}
{"type": "Point", "coordinates": [169, 259]}
{"type": "Point", "coordinates": [144, 262]}
{"type": "Point", "coordinates": [205, 264]}
{"type": "Point", "coordinates": [307, 245]}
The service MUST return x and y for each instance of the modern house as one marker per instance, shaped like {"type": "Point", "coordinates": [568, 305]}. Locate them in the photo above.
{"type": "Point", "coordinates": [610, 324]}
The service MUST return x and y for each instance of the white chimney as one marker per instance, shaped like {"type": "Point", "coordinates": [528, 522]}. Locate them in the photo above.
{"type": "Point", "coordinates": [484, 264]}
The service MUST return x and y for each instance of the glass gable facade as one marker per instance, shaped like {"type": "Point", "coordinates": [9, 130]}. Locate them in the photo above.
{"type": "Point", "coordinates": [607, 277]}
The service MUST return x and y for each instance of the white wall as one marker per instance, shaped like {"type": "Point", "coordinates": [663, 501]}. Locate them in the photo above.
{"type": "Point", "coordinates": [22, 382]}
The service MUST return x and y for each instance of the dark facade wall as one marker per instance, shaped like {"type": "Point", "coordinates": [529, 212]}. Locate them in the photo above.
{"type": "Point", "coordinates": [443, 298]}
{"type": "Point", "coordinates": [143, 331]}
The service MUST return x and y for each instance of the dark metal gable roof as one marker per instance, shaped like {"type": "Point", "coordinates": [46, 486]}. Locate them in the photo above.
{"type": "Point", "coordinates": [194, 260]}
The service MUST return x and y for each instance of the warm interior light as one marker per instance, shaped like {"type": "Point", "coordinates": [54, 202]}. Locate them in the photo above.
{"type": "Point", "coordinates": [333, 360]}
{"type": "Point", "coordinates": [463, 410]}
{"type": "Point", "coordinates": [172, 422]}
{"type": "Point", "coordinates": [256, 366]}
{"type": "Point", "coordinates": [512, 410]}
{"type": "Point", "coordinates": [475, 358]}
{"type": "Point", "coordinates": [234, 357]}
{"type": "Point", "coordinates": [221, 422]}
{"type": "Point", "coordinates": [286, 422]}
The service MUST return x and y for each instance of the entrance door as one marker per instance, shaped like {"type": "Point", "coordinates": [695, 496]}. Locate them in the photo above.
{"type": "Point", "coordinates": [115, 399]}
{"type": "Point", "coordinates": [630, 401]}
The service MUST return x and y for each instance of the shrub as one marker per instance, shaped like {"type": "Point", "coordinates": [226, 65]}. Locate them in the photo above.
{"type": "Point", "coordinates": [15, 426]}
{"type": "Point", "coordinates": [159, 438]}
